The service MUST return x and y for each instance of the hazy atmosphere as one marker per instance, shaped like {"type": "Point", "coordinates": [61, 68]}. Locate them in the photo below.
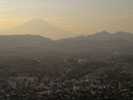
{"type": "Point", "coordinates": [66, 49]}
{"type": "Point", "coordinates": [76, 16]}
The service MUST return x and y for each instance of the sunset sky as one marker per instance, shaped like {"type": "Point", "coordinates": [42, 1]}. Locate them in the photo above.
{"type": "Point", "coordinates": [77, 16]}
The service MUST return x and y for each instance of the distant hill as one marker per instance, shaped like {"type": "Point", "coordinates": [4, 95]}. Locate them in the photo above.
{"type": "Point", "coordinates": [102, 41]}
{"type": "Point", "coordinates": [111, 36]}
{"type": "Point", "coordinates": [15, 45]}
{"type": "Point", "coordinates": [40, 27]}
{"type": "Point", "coordinates": [23, 40]}
{"type": "Point", "coordinates": [99, 43]}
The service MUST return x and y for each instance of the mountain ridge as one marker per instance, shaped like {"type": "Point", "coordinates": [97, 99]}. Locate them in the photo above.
{"type": "Point", "coordinates": [40, 27]}
{"type": "Point", "coordinates": [92, 44]}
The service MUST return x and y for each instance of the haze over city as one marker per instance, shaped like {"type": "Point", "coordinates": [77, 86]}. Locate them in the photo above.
{"type": "Point", "coordinates": [66, 49]}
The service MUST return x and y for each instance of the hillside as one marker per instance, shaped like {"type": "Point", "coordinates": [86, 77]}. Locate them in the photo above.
{"type": "Point", "coordinates": [99, 43]}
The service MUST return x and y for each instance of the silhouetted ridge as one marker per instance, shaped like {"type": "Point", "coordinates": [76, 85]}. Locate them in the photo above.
{"type": "Point", "coordinates": [23, 40]}
{"type": "Point", "coordinates": [40, 27]}
{"type": "Point", "coordinates": [102, 42]}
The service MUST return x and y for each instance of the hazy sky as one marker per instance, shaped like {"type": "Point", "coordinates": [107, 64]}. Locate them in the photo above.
{"type": "Point", "coordinates": [79, 16]}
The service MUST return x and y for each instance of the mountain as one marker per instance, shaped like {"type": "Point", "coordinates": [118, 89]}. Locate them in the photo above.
{"type": "Point", "coordinates": [16, 45]}
{"type": "Point", "coordinates": [102, 36]}
{"type": "Point", "coordinates": [100, 43]}
{"type": "Point", "coordinates": [103, 42]}
{"type": "Point", "coordinates": [40, 27]}
{"type": "Point", "coordinates": [23, 40]}
{"type": "Point", "coordinates": [111, 36]}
